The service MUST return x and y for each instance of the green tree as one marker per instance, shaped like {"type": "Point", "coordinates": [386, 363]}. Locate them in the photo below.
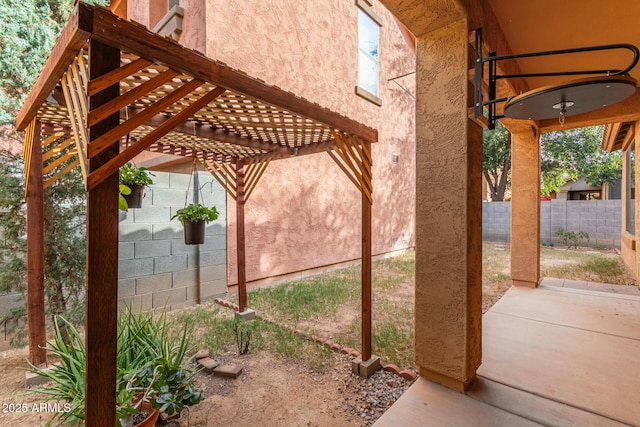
{"type": "Point", "coordinates": [574, 153]}
{"type": "Point", "coordinates": [496, 160]}
{"type": "Point", "coordinates": [28, 31]}
{"type": "Point", "coordinates": [64, 233]}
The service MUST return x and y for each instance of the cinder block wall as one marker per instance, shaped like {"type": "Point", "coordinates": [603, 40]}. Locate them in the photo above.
{"type": "Point", "coordinates": [156, 268]}
{"type": "Point", "coordinates": [602, 219]}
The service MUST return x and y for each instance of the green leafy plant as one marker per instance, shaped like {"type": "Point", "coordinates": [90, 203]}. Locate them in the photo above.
{"type": "Point", "coordinates": [131, 175]}
{"type": "Point", "coordinates": [243, 338]}
{"type": "Point", "coordinates": [122, 202]}
{"type": "Point", "coordinates": [196, 212]}
{"type": "Point", "coordinates": [148, 365]}
{"type": "Point", "coordinates": [64, 234]}
{"type": "Point", "coordinates": [571, 238]}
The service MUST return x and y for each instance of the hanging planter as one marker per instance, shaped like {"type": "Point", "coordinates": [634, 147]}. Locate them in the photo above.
{"type": "Point", "coordinates": [194, 218]}
{"type": "Point", "coordinates": [194, 232]}
{"type": "Point", "coordinates": [134, 199]}
{"type": "Point", "coordinates": [133, 181]}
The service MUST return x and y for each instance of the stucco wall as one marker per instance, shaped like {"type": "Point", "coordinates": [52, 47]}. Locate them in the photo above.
{"type": "Point", "coordinates": [305, 213]}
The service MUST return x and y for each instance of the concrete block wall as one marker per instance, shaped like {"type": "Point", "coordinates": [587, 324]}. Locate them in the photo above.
{"type": "Point", "coordinates": [156, 268]}
{"type": "Point", "coordinates": [602, 219]}
{"type": "Point", "coordinates": [496, 221]}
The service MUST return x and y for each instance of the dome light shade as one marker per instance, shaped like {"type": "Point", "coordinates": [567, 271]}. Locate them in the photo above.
{"type": "Point", "coordinates": [570, 98]}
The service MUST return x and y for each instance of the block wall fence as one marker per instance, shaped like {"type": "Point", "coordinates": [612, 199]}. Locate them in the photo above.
{"type": "Point", "coordinates": [602, 219]}
{"type": "Point", "coordinates": [156, 268]}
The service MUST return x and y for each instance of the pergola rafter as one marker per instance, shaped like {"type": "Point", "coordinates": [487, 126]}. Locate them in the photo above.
{"type": "Point", "coordinates": [110, 90]}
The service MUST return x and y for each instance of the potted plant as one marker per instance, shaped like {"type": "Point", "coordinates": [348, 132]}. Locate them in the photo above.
{"type": "Point", "coordinates": [134, 180]}
{"type": "Point", "coordinates": [194, 218]}
{"type": "Point", "coordinates": [152, 374]}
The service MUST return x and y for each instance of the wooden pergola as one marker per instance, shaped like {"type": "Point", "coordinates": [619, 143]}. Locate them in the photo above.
{"type": "Point", "coordinates": [107, 78]}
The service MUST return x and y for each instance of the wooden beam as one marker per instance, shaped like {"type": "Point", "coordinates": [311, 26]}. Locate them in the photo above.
{"type": "Point", "coordinates": [58, 148]}
{"type": "Point", "coordinates": [205, 131]}
{"type": "Point", "coordinates": [27, 151]}
{"type": "Point", "coordinates": [35, 253]}
{"type": "Point", "coordinates": [111, 30]}
{"type": "Point", "coordinates": [115, 76]}
{"type": "Point", "coordinates": [355, 159]}
{"type": "Point", "coordinates": [240, 239]}
{"type": "Point", "coordinates": [75, 96]}
{"type": "Point", "coordinates": [124, 128]}
{"type": "Point", "coordinates": [254, 177]}
{"type": "Point", "coordinates": [69, 43]}
{"type": "Point", "coordinates": [346, 171]}
{"type": "Point", "coordinates": [59, 161]}
{"type": "Point", "coordinates": [220, 175]}
{"type": "Point", "coordinates": [366, 277]}
{"type": "Point", "coordinates": [128, 97]}
{"type": "Point", "coordinates": [102, 256]}
{"type": "Point", "coordinates": [50, 180]}
{"type": "Point", "coordinates": [116, 161]}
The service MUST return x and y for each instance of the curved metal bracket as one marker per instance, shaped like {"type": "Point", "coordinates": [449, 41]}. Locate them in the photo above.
{"type": "Point", "coordinates": [493, 76]}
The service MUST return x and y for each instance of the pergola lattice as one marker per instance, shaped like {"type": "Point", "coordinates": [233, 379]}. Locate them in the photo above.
{"type": "Point", "coordinates": [110, 90]}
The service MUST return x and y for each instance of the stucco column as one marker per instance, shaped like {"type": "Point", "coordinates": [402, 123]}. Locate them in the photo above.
{"type": "Point", "coordinates": [448, 307]}
{"type": "Point", "coordinates": [525, 208]}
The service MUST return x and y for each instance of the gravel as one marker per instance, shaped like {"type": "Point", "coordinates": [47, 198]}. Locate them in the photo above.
{"type": "Point", "coordinates": [374, 395]}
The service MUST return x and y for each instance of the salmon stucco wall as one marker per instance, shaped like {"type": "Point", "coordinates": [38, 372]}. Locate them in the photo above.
{"type": "Point", "coordinates": [305, 213]}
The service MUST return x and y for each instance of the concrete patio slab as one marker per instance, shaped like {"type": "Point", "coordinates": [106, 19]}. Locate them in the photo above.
{"type": "Point", "coordinates": [429, 404]}
{"type": "Point", "coordinates": [535, 408]}
{"type": "Point", "coordinates": [556, 356]}
{"type": "Point", "coordinates": [607, 313]}
{"type": "Point", "coordinates": [572, 348]}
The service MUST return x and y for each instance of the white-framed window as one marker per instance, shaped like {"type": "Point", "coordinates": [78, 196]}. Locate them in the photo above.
{"type": "Point", "coordinates": [368, 54]}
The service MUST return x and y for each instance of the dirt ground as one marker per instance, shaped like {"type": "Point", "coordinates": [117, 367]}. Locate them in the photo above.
{"type": "Point", "coordinates": [271, 391]}
{"type": "Point", "coordinates": [276, 391]}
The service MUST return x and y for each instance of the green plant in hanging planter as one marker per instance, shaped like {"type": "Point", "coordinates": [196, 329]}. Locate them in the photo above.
{"type": "Point", "coordinates": [131, 175]}
{"type": "Point", "coordinates": [194, 218]}
{"type": "Point", "coordinates": [133, 180]}
{"type": "Point", "coordinates": [122, 201]}
{"type": "Point", "coordinates": [196, 213]}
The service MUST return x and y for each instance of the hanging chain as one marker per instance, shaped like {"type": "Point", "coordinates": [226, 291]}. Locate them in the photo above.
{"type": "Point", "coordinates": [197, 191]}
{"type": "Point", "coordinates": [563, 112]}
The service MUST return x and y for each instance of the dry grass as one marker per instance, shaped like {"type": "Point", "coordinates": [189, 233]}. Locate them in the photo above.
{"type": "Point", "coordinates": [328, 305]}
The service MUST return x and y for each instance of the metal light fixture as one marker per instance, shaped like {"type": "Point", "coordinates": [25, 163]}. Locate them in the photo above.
{"type": "Point", "coordinates": [561, 100]}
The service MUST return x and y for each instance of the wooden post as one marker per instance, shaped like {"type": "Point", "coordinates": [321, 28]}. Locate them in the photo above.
{"type": "Point", "coordinates": [35, 254]}
{"type": "Point", "coordinates": [240, 242]}
{"type": "Point", "coordinates": [366, 276]}
{"type": "Point", "coordinates": [102, 257]}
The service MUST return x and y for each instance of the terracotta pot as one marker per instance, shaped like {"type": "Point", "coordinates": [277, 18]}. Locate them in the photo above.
{"type": "Point", "coordinates": [151, 419]}
{"type": "Point", "coordinates": [194, 232]}
{"type": "Point", "coordinates": [134, 200]}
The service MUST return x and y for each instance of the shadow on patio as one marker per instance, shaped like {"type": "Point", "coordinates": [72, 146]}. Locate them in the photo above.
{"type": "Point", "coordinates": [564, 354]}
